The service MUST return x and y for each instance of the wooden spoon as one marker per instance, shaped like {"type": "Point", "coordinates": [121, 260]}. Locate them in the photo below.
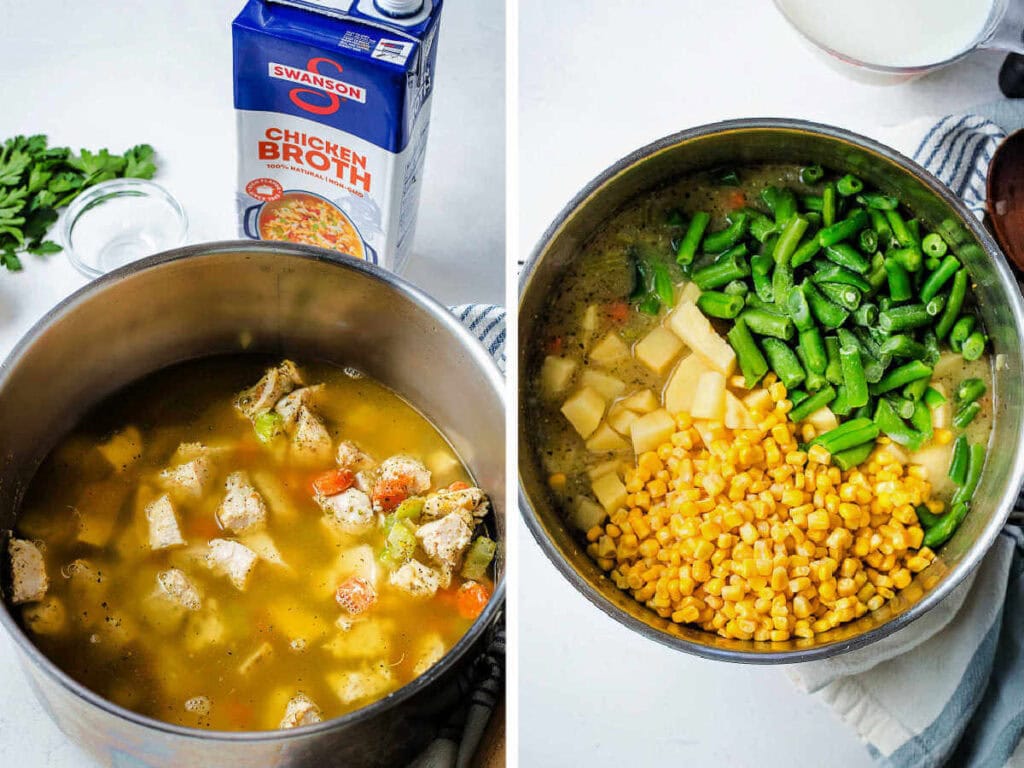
{"type": "Point", "coordinates": [1005, 193]}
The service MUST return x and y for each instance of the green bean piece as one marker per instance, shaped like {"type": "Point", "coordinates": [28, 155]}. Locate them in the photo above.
{"type": "Point", "coordinates": [797, 396]}
{"type": "Point", "coordinates": [812, 403]}
{"type": "Point", "coordinates": [789, 239]}
{"type": "Point", "coordinates": [931, 346]}
{"type": "Point", "coordinates": [829, 209]}
{"type": "Point", "coordinates": [874, 365]}
{"type": "Point", "coordinates": [718, 304]}
{"type": "Point", "coordinates": [849, 185]}
{"type": "Point", "coordinates": [844, 229]}
{"type": "Point", "coordinates": [903, 407]}
{"type": "Point", "coordinates": [954, 304]}
{"type": "Point", "coordinates": [853, 376]}
{"type": "Point", "coordinates": [926, 518]}
{"type": "Point", "coordinates": [846, 296]}
{"type": "Point", "coordinates": [799, 310]}
{"type": "Point", "coordinates": [833, 368]}
{"type": "Point", "coordinates": [877, 277]}
{"type": "Point", "coordinates": [939, 277]}
{"type": "Point", "coordinates": [962, 328]}
{"type": "Point", "coordinates": [914, 225]}
{"type": "Point", "coordinates": [974, 346]}
{"type": "Point", "coordinates": [815, 357]}
{"type": "Point", "coordinates": [737, 288]}
{"type": "Point", "coordinates": [921, 420]}
{"type": "Point", "coordinates": [766, 323]}
{"type": "Point", "coordinates": [760, 226]}
{"type": "Point", "coordinates": [752, 362]}
{"type": "Point", "coordinates": [933, 398]}
{"type": "Point", "coordinates": [899, 280]}
{"type": "Point", "coordinates": [866, 314]}
{"type": "Point", "coordinates": [806, 251]}
{"type": "Point", "coordinates": [724, 239]}
{"type": "Point", "coordinates": [900, 230]}
{"type": "Point", "coordinates": [904, 374]}
{"type": "Point", "coordinates": [848, 257]}
{"type": "Point", "coordinates": [931, 264]}
{"type": "Point", "coordinates": [827, 272]}
{"type": "Point", "coordinates": [847, 435]}
{"type": "Point", "coordinates": [815, 380]}
{"type": "Point", "coordinates": [726, 269]}
{"type": "Point", "coordinates": [958, 464]}
{"type": "Point", "coordinates": [763, 288]}
{"type": "Point", "coordinates": [756, 302]}
{"type": "Point", "coordinates": [782, 285]}
{"type": "Point", "coordinates": [761, 263]}
{"type": "Point", "coordinates": [841, 405]}
{"type": "Point", "coordinates": [828, 314]}
{"type": "Point", "coordinates": [881, 227]}
{"type": "Point", "coordinates": [853, 457]}
{"type": "Point", "coordinates": [902, 345]}
{"type": "Point", "coordinates": [878, 202]}
{"type": "Point", "coordinates": [934, 245]}
{"type": "Point", "coordinates": [903, 318]}
{"type": "Point", "coordinates": [890, 423]}
{"type": "Point", "coordinates": [935, 305]}
{"type": "Point", "coordinates": [784, 362]}
{"type": "Point", "coordinates": [813, 221]}
{"type": "Point", "coordinates": [941, 532]}
{"type": "Point", "coordinates": [664, 288]}
{"type": "Point", "coordinates": [812, 174]}
{"type": "Point", "coordinates": [969, 390]}
{"type": "Point", "coordinates": [691, 240]}
{"type": "Point", "coordinates": [867, 240]}
{"type": "Point", "coordinates": [910, 258]}
{"type": "Point", "coordinates": [915, 389]}
{"type": "Point", "coordinates": [812, 203]}
{"type": "Point", "coordinates": [781, 202]}
{"type": "Point", "coordinates": [975, 464]}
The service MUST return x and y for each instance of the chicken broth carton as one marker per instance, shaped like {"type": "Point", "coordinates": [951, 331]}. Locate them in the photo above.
{"type": "Point", "coordinates": [333, 105]}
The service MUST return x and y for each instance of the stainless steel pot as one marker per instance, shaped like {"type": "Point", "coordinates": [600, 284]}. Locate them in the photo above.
{"type": "Point", "coordinates": [233, 297]}
{"type": "Point", "coordinates": [736, 143]}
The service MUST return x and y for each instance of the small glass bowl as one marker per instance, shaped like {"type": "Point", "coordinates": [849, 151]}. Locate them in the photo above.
{"type": "Point", "coordinates": [120, 221]}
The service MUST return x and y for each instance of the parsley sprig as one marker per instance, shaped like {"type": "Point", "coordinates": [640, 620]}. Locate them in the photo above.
{"type": "Point", "coordinates": [37, 180]}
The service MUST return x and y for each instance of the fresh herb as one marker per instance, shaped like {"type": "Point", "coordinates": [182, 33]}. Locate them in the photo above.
{"type": "Point", "coordinates": [37, 180]}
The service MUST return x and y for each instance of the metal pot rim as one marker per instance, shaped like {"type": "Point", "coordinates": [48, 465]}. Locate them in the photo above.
{"type": "Point", "coordinates": [286, 250]}
{"type": "Point", "coordinates": [980, 546]}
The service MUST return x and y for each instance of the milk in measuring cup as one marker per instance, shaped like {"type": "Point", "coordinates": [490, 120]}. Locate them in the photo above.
{"type": "Point", "coordinates": [333, 105]}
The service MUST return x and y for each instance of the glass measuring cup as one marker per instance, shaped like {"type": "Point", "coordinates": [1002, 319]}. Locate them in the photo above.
{"type": "Point", "coordinates": [887, 41]}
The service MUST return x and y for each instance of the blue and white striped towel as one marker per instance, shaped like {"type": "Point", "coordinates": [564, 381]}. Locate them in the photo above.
{"type": "Point", "coordinates": [949, 688]}
{"type": "Point", "coordinates": [483, 683]}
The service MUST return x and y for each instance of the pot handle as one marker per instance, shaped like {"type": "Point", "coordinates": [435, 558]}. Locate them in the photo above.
{"type": "Point", "coordinates": [249, 221]}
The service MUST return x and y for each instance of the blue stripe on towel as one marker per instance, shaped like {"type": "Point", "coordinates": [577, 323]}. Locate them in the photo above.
{"type": "Point", "coordinates": [487, 323]}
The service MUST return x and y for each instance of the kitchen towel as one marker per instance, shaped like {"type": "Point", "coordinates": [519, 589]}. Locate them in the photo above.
{"type": "Point", "coordinates": [949, 688]}
{"type": "Point", "coordinates": [483, 683]}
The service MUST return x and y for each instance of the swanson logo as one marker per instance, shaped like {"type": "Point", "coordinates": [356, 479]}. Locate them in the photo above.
{"type": "Point", "coordinates": [323, 94]}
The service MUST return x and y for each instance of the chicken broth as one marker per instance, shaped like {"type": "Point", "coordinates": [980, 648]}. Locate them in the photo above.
{"type": "Point", "coordinates": [216, 564]}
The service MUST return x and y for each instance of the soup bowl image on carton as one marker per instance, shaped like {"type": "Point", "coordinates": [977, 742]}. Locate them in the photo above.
{"type": "Point", "coordinates": [333, 105]}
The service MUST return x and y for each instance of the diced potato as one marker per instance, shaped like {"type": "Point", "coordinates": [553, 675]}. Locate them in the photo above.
{"type": "Point", "coordinates": [609, 350]}
{"type": "Point", "coordinates": [556, 375]}
{"type": "Point", "coordinates": [689, 324]}
{"type": "Point", "coordinates": [690, 293]}
{"type": "Point", "coordinates": [949, 362]}
{"type": "Point", "coordinates": [682, 384]}
{"type": "Point", "coordinates": [643, 401]}
{"type": "Point", "coordinates": [584, 411]}
{"type": "Point", "coordinates": [363, 641]}
{"type": "Point", "coordinates": [276, 496]}
{"type": "Point", "coordinates": [606, 440]}
{"type": "Point", "coordinates": [621, 418]}
{"type": "Point", "coordinates": [47, 617]}
{"type": "Point", "coordinates": [658, 349]}
{"type": "Point", "coordinates": [442, 464]}
{"type": "Point", "coordinates": [123, 449]}
{"type": "Point", "coordinates": [652, 430]}
{"type": "Point", "coordinates": [823, 420]}
{"type": "Point", "coordinates": [98, 508]}
{"type": "Point", "coordinates": [612, 465]}
{"type": "Point", "coordinates": [709, 399]}
{"type": "Point", "coordinates": [935, 459]}
{"type": "Point", "coordinates": [586, 513]}
{"type": "Point", "coordinates": [736, 414]}
{"type": "Point", "coordinates": [942, 414]}
{"type": "Point", "coordinates": [607, 386]}
{"type": "Point", "coordinates": [610, 492]}
{"type": "Point", "coordinates": [204, 630]}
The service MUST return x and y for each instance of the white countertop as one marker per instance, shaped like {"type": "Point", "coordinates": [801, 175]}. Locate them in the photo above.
{"type": "Point", "coordinates": [94, 74]}
{"type": "Point", "coordinates": [596, 83]}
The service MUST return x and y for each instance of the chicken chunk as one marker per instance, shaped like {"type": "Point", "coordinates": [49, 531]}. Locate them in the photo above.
{"type": "Point", "coordinates": [471, 503]}
{"type": "Point", "coordinates": [407, 470]}
{"type": "Point", "coordinates": [351, 510]}
{"type": "Point", "coordinates": [199, 705]}
{"type": "Point", "coordinates": [349, 456]}
{"type": "Point", "coordinates": [301, 710]}
{"type": "Point", "coordinates": [243, 508]}
{"type": "Point", "coordinates": [28, 572]}
{"type": "Point", "coordinates": [311, 441]}
{"type": "Point", "coordinates": [190, 479]}
{"type": "Point", "coordinates": [288, 406]}
{"type": "Point", "coordinates": [275, 384]}
{"type": "Point", "coordinates": [415, 578]}
{"type": "Point", "coordinates": [446, 539]}
{"type": "Point", "coordinates": [175, 585]}
{"type": "Point", "coordinates": [356, 685]}
{"type": "Point", "coordinates": [164, 531]}
{"type": "Point", "coordinates": [234, 560]}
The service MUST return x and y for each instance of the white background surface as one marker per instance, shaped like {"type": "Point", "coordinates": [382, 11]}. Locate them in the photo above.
{"type": "Point", "coordinates": [100, 74]}
{"type": "Point", "coordinates": [597, 82]}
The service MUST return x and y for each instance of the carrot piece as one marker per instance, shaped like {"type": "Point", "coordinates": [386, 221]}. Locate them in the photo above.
{"type": "Point", "coordinates": [333, 481]}
{"type": "Point", "coordinates": [736, 199]}
{"type": "Point", "coordinates": [356, 595]}
{"type": "Point", "coordinates": [471, 599]}
{"type": "Point", "coordinates": [618, 311]}
{"type": "Point", "coordinates": [458, 485]}
{"type": "Point", "coordinates": [555, 346]}
{"type": "Point", "coordinates": [388, 494]}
